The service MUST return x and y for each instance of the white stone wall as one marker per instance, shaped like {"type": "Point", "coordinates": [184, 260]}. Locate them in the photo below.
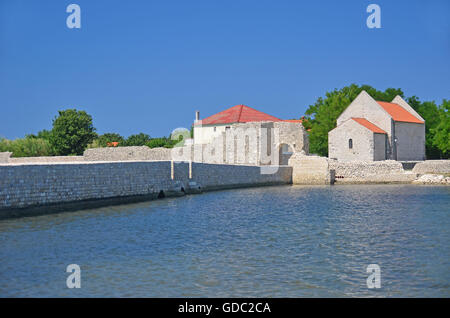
{"type": "Point", "coordinates": [363, 142]}
{"type": "Point", "coordinates": [364, 106]}
{"type": "Point", "coordinates": [310, 169]}
{"type": "Point", "coordinates": [379, 141]}
{"type": "Point", "coordinates": [5, 156]}
{"type": "Point", "coordinates": [256, 143]}
{"type": "Point", "coordinates": [206, 133]}
{"type": "Point", "coordinates": [127, 153]}
{"type": "Point", "coordinates": [26, 185]}
{"type": "Point", "coordinates": [388, 171]}
{"type": "Point", "coordinates": [410, 141]}
{"type": "Point", "coordinates": [44, 159]}
{"type": "Point", "coordinates": [432, 167]}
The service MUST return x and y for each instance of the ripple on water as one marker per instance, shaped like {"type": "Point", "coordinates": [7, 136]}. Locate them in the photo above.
{"type": "Point", "coordinates": [288, 241]}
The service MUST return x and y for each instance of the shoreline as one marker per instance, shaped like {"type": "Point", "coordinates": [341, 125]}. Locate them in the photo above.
{"type": "Point", "coordinates": [45, 188]}
{"type": "Point", "coordinates": [76, 205]}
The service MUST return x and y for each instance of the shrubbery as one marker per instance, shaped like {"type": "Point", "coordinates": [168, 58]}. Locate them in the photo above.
{"type": "Point", "coordinates": [27, 147]}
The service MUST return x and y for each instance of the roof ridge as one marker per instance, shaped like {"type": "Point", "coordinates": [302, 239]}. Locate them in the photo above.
{"type": "Point", "coordinates": [240, 112]}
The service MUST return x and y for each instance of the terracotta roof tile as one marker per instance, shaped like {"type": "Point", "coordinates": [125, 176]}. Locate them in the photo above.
{"type": "Point", "coordinates": [237, 114]}
{"type": "Point", "coordinates": [364, 122]}
{"type": "Point", "coordinates": [398, 113]}
{"type": "Point", "coordinates": [293, 120]}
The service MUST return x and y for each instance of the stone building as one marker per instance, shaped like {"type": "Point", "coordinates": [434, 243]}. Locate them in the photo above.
{"type": "Point", "coordinates": [243, 135]}
{"type": "Point", "coordinates": [372, 130]}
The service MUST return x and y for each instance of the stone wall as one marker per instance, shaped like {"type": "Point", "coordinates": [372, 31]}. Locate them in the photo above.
{"type": "Point", "coordinates": [48, 159]}
{"type": "Point", "coordinates": [255, 143]}
{"type": "Point", "coordinates": [4, 157]}
{"type": "Point", "coordinates": [127, 153]}
{"type": "Point", "coordinates": [379, 142]}
{"type": "Point", "coordinates": [362, 142]}
{"type": "Point", "coordinates": [410, 141]}
{"type": "Point", "coordinates": [432, 167]}
{"type": "Point", "coordinates": [310, 169]}
{"type": "Point", "coordinates": [364, 106]}
{"type": "Point", "coordinates": [45, 184]}
{"type": "Point", "coordinates": [388, 171]}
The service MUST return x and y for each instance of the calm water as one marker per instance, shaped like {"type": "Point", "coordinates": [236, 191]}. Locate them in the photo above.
{"type": "Point", "coordinates": [288, 241]}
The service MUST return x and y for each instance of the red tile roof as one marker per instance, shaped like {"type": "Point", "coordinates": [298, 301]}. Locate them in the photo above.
{"type": "Point", "coordinates": [237, 114]}
{"type": "Point", "coordinates": [398, 113]}
{"type": "Point", "coordinates": [364, 122]}
{"type": "Point", "coordinates": [293, 120]}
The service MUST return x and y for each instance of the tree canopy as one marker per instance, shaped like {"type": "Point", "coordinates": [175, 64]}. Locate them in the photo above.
{"type": "Point", "coordinates": [72, 131]}
{"type": "Point", "coordinates": [103, 140]}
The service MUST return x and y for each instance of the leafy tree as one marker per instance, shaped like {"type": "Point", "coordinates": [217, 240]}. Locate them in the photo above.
{"type": "Point", "coordinates": [430, 112]}
{"type": "Point", "coordinates": [137, 140]}
{"type": "Point", "coordinates": [157, 142]}
{"type": "Point", "coordinates": [321, 116]}
{"type": "Point", "coordinates": [103, 140]}
{"type": "Point", "coordinates": [441, 132]}
{"type": "Point", "coordinates": [43, 134]}
{"type": "Point", "coordinates": [72, 132]}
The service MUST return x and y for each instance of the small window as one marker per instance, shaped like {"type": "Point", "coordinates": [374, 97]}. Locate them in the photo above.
{"type": "Point", "coordinates": [214, 128]}
{"type": "Point", "coordinates": [228, 127]}
{"type": "Point", "coordinates": [350, 144]}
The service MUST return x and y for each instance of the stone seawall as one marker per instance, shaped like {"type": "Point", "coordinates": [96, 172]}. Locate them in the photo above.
{"type": "Point", "coordinates": [432, 167]}
{"type": "Point", "coordinates": [388, 171]}
{"type": "Point", "coordinates": [44, 185]}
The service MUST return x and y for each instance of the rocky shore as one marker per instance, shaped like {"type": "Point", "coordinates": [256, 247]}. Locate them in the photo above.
{"type": "Point", "coordinates": [432, 179]}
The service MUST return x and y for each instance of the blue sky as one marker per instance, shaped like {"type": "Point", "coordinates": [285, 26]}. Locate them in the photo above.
{"type": "Point", "coordinates": [146, 66]}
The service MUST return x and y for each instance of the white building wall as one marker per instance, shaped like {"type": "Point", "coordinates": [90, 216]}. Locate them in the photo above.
{"type": "Point", "coordinates": [363, 142]}
{"type": "Point", "coordinates": [410, 141]}
{"type": "Point", "coordinates": [205, 134]}
{"type": "Point", "coordinates": [379, 147]}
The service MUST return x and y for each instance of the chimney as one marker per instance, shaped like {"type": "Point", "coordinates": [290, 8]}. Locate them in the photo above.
{"type": "Point", "coordinates": [197, 116]}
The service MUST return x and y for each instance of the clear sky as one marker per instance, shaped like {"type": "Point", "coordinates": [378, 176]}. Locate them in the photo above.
{"type": "Point", "coordinates": [146, 66]}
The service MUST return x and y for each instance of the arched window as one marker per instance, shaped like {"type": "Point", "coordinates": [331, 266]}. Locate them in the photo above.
{"type": "Point", "coordinates": [350, 143]}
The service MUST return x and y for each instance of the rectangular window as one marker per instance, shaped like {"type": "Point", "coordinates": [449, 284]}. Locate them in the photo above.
{"type": "Point", "coordinates": [350, 144]}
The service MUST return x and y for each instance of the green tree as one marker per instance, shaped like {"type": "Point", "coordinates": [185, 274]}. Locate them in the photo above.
{"type": "Point", "coordinates": [157, 142]}
{"type": "Point", "coordinates": [43, 134]}
{"type": "Point", "coordinates": [72, 132]}
{"type": "Point", "coordinates": [321, 116]}
{"type": "Point", "coordinates": [104, 139]}
{"type": "Point", "coordinates": [441, 132]}
{"type": "Point", "coordinates": [430, 113]}
{"type": "Point", "coordinates": [137, 140]}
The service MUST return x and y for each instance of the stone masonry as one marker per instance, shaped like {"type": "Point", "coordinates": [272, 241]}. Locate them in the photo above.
{"type": "Point", "coordinates": [26, 185]}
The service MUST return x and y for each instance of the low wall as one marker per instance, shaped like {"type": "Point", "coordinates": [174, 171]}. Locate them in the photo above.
{"type": "Point", "coordinates": [432, 167]}
{"type": "Point", "coordinates": [310, 169]}
{"type": "Point", "coordinates": [49, 159]}
{"type": "Point", "coordinates": [388, 171]}
{"type": "Point", "coordinates": [35, 185]}
{"type": "Point", "coordinates": [4, 157]}
{"type": "Point", "coordinates": [127, 153]}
